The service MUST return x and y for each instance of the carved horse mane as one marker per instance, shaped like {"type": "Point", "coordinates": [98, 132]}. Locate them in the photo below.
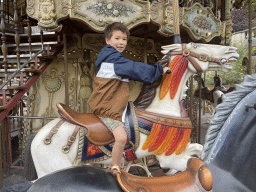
{"type": "Point", "coordinates": [224, 110]}
{"type": "Point", "coordinates": [147, 94]}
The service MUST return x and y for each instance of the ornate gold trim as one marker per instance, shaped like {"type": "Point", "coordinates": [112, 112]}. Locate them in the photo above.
{"type": "Point", "coordinates": [97, 14]}
{"type": "Point", "coordinates": [201, 24]}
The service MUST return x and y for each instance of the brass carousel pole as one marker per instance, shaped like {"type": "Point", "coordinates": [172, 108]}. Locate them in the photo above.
{"type": "Point", "coordinates": [191, 98]}
{"type": "Point", "coordinates": [176, 21]}
{"type": "Point", "coordinates": [198, 128]}
{"type": "Point", "coordinates": [1, 155]}
{"type": "Point", "coordinates": [146, 44]}
{"type": "Point", "coordinates": [250, 38]}
{"type": "Point", "coordinates": [66, 67]}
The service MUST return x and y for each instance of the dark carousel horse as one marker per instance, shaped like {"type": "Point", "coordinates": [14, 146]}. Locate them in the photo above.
{"type": "Point", "coordinates": [218, 85]}
{"type": "Point", "coordinates": [214, 95]}
{"type": "Point", "coordinates": [230, 147]}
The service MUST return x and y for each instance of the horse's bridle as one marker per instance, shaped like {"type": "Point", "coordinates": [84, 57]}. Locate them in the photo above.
{"type": "Point", "coordinates": [201, 57]}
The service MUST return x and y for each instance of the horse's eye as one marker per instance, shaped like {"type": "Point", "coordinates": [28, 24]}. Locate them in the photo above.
{"type": "Point", "coordinates": [195, 46]}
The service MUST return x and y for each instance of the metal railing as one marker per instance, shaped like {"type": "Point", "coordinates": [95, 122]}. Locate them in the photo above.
{"type": "Point", "coordinates": [22, 66]}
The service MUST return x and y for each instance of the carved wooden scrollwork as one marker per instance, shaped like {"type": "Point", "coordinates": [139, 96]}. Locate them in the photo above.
{"type": "Point", "coordinates": [99, 13]}
{"type": "Point", "coordinates": [199, 21]}
{"type": "Point", "coordinates": [30, 7]}
{"type": "Point", "coordinates": [48, 12]}
{"type": "Point", "coordinates": [162, 15]}
{"type": "Point", "coordinates": [201, 24]}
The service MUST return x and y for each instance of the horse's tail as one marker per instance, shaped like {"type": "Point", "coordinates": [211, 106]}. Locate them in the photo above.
{"type": "Point", "coordinates": [29, 167]}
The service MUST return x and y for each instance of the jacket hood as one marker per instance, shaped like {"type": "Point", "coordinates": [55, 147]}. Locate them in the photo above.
{"type": "Point", "coordinates": [107, 54]}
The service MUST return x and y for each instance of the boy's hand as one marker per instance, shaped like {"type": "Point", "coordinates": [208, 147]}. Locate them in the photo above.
{"type": "Point", "coordinates": [166, 70]}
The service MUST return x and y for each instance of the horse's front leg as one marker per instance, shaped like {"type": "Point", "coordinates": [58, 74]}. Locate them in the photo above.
{"type": "Point", "coordinates": [179, 162]}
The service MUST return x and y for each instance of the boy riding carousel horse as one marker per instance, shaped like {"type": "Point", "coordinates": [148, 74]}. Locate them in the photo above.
{"type": "Point", "coordinates": [111, 93]}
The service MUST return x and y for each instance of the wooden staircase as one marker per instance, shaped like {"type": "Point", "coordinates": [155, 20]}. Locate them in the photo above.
{"type": "Point", "coordinates": [24, 62]}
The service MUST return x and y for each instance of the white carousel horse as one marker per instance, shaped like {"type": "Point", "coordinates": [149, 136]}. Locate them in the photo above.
{"type": "Point", "coordinates": [193, 58]}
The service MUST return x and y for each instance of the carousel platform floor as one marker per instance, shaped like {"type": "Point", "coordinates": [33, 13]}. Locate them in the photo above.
{"type": "Point", "coordinates": [14, 180]}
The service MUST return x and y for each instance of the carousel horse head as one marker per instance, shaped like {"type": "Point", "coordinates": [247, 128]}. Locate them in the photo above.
{"type": "Point", "coordinates": [184, 60]}
{"type": "Point", "coordinates": [208, 57]}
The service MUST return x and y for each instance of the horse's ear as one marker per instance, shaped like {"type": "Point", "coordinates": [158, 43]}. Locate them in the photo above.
{"type": "Point", "coordinates": [167, 48]}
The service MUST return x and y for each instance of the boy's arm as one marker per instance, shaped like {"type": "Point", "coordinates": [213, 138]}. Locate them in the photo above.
{"type": "Point", "coordinates": [137, 71]}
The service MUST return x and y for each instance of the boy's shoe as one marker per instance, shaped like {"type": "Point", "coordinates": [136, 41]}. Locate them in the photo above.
{"type": "Point", "coordinates": [115, 169]}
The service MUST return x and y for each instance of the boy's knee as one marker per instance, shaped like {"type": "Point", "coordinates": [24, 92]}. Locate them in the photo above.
{"type": "Point", "coordinates": [121, 139]}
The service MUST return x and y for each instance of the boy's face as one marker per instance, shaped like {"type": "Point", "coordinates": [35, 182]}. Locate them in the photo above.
{"type": "Point", "coordinates": [118, 40]}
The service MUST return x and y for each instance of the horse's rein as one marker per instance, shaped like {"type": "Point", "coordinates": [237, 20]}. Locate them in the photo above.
{"type": "Point", "coordinates": [191, 55]}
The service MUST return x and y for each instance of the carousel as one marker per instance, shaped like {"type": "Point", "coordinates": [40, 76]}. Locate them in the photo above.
{"type": "Point", "coordinates": [63, 146]}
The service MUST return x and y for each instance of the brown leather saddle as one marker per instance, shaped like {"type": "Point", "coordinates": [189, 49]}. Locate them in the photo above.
{"type": "Point", "coordinates": [197, 177]}
{"type": "Point", "coordinates": [98, 133]}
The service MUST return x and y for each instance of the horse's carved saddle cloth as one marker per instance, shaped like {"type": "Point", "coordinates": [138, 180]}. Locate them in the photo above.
{"type": "Point", "coordinates": [98, 133]}
{"type": "Point", "coordinates": [197, 177]}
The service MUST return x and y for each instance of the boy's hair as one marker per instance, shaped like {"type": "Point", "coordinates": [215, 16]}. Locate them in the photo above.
{"type": "Point", "coordinates": [116, 26]}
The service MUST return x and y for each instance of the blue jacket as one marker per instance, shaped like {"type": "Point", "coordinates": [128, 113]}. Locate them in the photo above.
{"type": "Point", "coordinates": [111, 92]}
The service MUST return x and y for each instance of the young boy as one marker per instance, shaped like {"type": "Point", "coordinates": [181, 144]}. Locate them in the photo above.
{"type": "Point", "coordinates": [110, 95]}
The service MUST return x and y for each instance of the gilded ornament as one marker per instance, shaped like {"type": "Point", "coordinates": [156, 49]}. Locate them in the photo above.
{"type": "Point", "coordinates": [110, 9]}
{"type": "Point", "coordinates": [65, 7]}
{"type": "Point", "coordinates": [109, 6]}
{"type": "Point", "coordinates": [202, 22]}
{"type": "Point", "coordinates": [52, 82]}
{"type": "Point", "coordinates": [46, 13]}
{"type": "Point", "coordinates": [115, 12]}
{"type": "Point", "coordinates": [154, 11]}
{"type": "Point", "coordinates": [30, 7]}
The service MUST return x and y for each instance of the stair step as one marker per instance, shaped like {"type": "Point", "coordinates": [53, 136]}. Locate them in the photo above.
{"type": "Point", "coordinates": [2, 108]}
{"type": "Point", "coordinates": [11, 71]}
{"type": "Point", "coordinates": [16, 87]}
{"type": "Point", "coordinates": [33, 44]}
{"type": "Point", "coordinates": [7, 93]}
{"type": "Point", "coordinates": [35, 71]}
{"type": "Point", "coordinates": [35, 31]}
{"type": "Point", "coordinates": [23, 58]}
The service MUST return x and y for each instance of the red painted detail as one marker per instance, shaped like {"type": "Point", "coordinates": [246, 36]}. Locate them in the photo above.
{"type": "Point", "coordinates": [177, 72]}
{"type": "Point", "coordinates": [18, 96]}
{"type": "Point", "coordinates": [175, 142]}
{"type": "Point", "coordinates": [4, 97]}
{"type": "Point", "coordinates": [159, 139]}
{"type": "Point", "coordinates": [130, 155]}
{"type": "Point", "coordinates": [92, 150]}
{"type": "Point", "coordinates": [8, 143]}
